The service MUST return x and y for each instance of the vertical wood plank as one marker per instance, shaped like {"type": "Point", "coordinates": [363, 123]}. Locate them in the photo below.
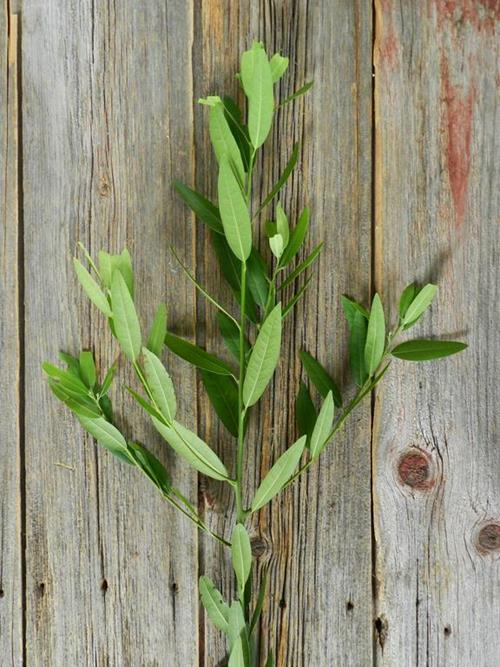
{"type": "Point", "coordinates": [107, 124]}
{"type": "Point", "coordinates": [320, 598]}
{"type": "Point", "coordinates": [436, 446]}
{"type": "Point", "coordinates": [11, 584]}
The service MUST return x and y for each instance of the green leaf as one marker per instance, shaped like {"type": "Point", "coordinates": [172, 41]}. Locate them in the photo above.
{"type": "Point", "coordinates": [419, 304]}
{"type": "Point", "coordinates": [68, 380]}
{"type": "Point", "coordinates": [145, 405]}
{"type": "Point", "coordinates": [257, 279]}
{"type": "Point", "coordinates": [91, 288]}
{"type": "Point", "coordinates": [297, 238]}
{"type": "Point", "coordinates": [215, 606]}
{"type": "Point", "coordinates": [282, 225]}
{"type": "Point", "coordinates": [158, 331]}
{"type": "Point", "coordinates": [234, 212]}
{"type": "Point", "coordinates": [260, 602]}
{"type": "Point", "coordinates": [125, 320]}
{"type": "Point", "coordinates": [196, 355]}
{"type": "Point", "coordinates": [151, 467]}
{"type": "Point", "coordinates": [298, 93]}
{"type": "Point", "coordinates": [81, 405]}
{"type": "Point", "coordinates": [87, 369]}
{"type": "Point", "coordinates": [305, 412]}
{"type": "Point", "coordinates": [201, 207]}
{"type": "Point", "coordinates": [323, 427]}
{"type": "Point", "coordinates": [160, 385]}
{"type": "Point", "coordinates": [279, 65]}
{"type": "Point", "coordinates": [350, 305]}
{"type": "Point", "coordinates": [276, 244]}
{"type": "Point", "coordinates": [407, 296]}
{"type": "Point", "coordinates": [279, 474]}
{"type": "Point", "coordinates": [320, 378]}
{"type": "Point", "coordinates": [107, 408]}
{"type": "Point", "coordinates": [300, 268]}
{"type": "Point", "coordinates": [105, 267]}
{"type": "Point", "coordinates": [294, 300]}
{"type": "Point", "coordinates": [239, 130]}
{"type": "Point", "coordinates": [237, 658]}
{"type": "Point", "coordinates": [241, 555]}
{"type": "Point", "coordinates": [72, 362]}
{"type": "Point", "coordinates": [375, 336]}
{"type": "Point", "coordinates": [236, 622]}
{"type": "Point", "coordinates": [425, 350]}
{"type": "Point", "coordinates": [224, 143]}
{"type": "Point", "coordinates": [270, 660]}
{"type": "Point", "coordinates": [231, 335]}
{"type": "Point", "coordinates": [263, 358]}
{"type": "Point", "coordinates": [222, 391]}
{"type": "Point", "coordinates": [192, 448]}
{"type": "Point", "coordinates": [108, 378]}
{"type": "Point", "coordinates": [358, 325]}
{"type": "Point", "coordinates": [123, 263]}
{"type": "Point", "coordinates": [290, 165]}
{"type": "Point", "coordinates": [106, 435]}
{"type": "Point", "coordinates": [231, 270]}
{"type": "Point", "coordinates": [257, 82]}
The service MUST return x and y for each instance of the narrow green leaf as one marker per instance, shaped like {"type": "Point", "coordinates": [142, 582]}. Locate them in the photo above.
{"type": "Point", "coordinates": [320, 378]}
{"type": "Point", "coordinates": [240, 132]}
{"type": "Point", "coordinates": [258, 282]}
{"type": "Point", "coordinates": [279, 474]}
{"type": "Point", "coordinates": [150, 465]}
{"type": "Point", "coordinates": [234, 212]}
{"type": "Point", "coordinates": [231, 335]}
{"type": "Point", "coordinates": [297, 238]}
{"type": "Point", "coordinates": [298, 93]}
{"type": "Point", "coordinates": [68, 380]}
{"type": "Point", "coordinates": [160, 385]}
{"type": "Point", "coordinates": [257, 82]}
{"type": "Point", "coordinates": [192, 448]}
{"type": "Point", "coordinates": [196, 355]}
{"type": "Point", "coordinates": [425, 350]}
{"type": "Point", "coordinates": [290, 165]}
{"type": "Point", "coordinates": [305, 412]}
{"type": "Point", "coordinates": [87, 368]}
{"type": "Point", "coordinates": [91, 288]}
{"type": "Point", "coordinates": [279, 65]}
{"type": "Point", "coordinates": [241, 555]}
{"type": "Point", "coordinates": [282, 225]}
{"type": "Point", "coordinates": [158, 331]}
{"type": "Point", "coordinates": [270, 660]}
{"type": "Point", "coordinates": [146, 405]}
{"type": "Point", "coordinates": [323, 427]}
{"type": "Point", "coordinates": [201, 207]}
{"type": "Point", "coordinates": [123, 263]}
{"type": "Point", "coordinates": [107, 408]}
{"type": "Point", "coordinates": [358, 324]}
{"type": "Point", "coordinates": [108, 379]}
{"type": "Point", "coordinates": [294, 300]}
{"type": "Point", "coordinates": [237, 658]}
{"type": "Point", "coordinates": [419, 304]}
{"type": "Point", "coordinates": [407, 296]}
{"type": "Point", "coordinates": [263, 358]}
{"type": "Point", "coordinates": [276, 244]}
{"type": "Point", "coordinates": [236, 622]}
{"type": "Point", "coordinates": [375, 336]}
{"type": "Point", "coordinates": [81, 405]}
{"type": "Point", "coordinates": [107, 435]}
{"type": "Point", "coordinates": [213, 602]}
{"type": "Point", "coordinates": [260, 603]}
{"type": "Point", "coordinates": [224, 142]}
{"type": "Point", "coordinates": [222, 391]}
{"type": "Point", "coordinates": [350, 305]}
{"type": "Point", "coordinates": [105, 267]}
{"type": "Point", "coordinates": [300, 268]}
{"type": "Point", "coordinates": [72, 362]}
{"type": "Point", "coordinates": [125, 320]}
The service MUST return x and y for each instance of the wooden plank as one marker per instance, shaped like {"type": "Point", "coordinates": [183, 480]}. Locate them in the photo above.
{"type": "Point", "coordinates": [11, 584]}
{"type": "Point", "coordinates": [320, 604]}
{"type": "Point", "coordinates": [436, 453]}
{"type": "Point", "coordinates": [107, 105]}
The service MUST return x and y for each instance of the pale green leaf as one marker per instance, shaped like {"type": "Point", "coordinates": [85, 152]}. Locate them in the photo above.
{"type": "Point", "coordinates": [156, 336]}
{"type": "Point", "coordinates": [241, 555]}
{"type": "Point", "coordinates": [279, 65]}
{"type": "Point", "coordinates": [375, 336]}
{"type": "Point", "coordinates": [106, 435]}
{"type": "Point", "coordinates": [279, 474]}
{"type": "Point", "coordinates": [257, 82]}
{"type": "Point", "coordinates": [282, 224]}
{"type": "Point", "coordinates": [224, 142]}
{"type": "Point", "coordinates": [276, 244]}
{"type": "Point", "coordinates": [323, 426]}
{"type": "Point", "coordinates": [160, 385]}
{"type": "Point", "coordinates": [91, 288]}
{"type": "Point", "coordinates": [193, 449]}
{"type": "Point", "coordinates": [419, 304]}
{"type": "Point", "coordinates": [214, 604]}
{"type": "Point", "coordinates": [263, 358]}
{"type": "Point", "coordinates": [296, 239]}
{"type": "Point", "coordinates": [87, 368]}
{"type": "Point", "coordinates": [125, 320]}
{"type": "Point", "coordinates": [234, 212]}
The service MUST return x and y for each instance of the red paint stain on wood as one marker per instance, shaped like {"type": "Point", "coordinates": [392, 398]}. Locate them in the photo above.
{"type": "Point", "coordinates": [389, 47]}
{"type": "Point", "coordinates": [459, 116]}
{"type": "Point", "coordinates": [482, 15]}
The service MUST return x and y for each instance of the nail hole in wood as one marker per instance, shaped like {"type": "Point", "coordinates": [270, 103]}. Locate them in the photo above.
{"type": "Point", "coordinates": [104, 585]}
{"type": "Point", "coordinates": [282, 604]}
{"type": "Point", "coordinates": [2, 592]}
{"type": "Point", "coordinates": [381, 627]}
{"type": "Point", "coordinates": [447, 630]}
{"type": "Point", "coordinates": [41, 589]}
{"type": "Point", "coordinates": [349, 605]}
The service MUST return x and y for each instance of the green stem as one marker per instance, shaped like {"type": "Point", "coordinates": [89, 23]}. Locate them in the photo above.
{"type": "Point", "coordinates": [240, 512]}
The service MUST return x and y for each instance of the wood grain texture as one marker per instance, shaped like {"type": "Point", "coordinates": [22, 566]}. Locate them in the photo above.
{"type": "Point", "coordinates": [320, 606]}
{"type": "Point", "coordinates": [11, 582]}
{"type": "Point", "coordinates": [107, 124]}
{"type": "Point", "coordinates": [436, 438]}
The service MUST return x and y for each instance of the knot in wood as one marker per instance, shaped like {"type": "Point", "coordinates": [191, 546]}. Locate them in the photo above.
{"type": "Point", "coordinates": [260, 547]}
{"type": "Point", "coordinates": [414, 470]}
{"type": "Point", "coordinates": [488, 538]}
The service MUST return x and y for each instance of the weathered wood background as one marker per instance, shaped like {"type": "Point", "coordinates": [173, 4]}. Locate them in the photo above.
{"type": "Point", "coordinates": [388, 553]}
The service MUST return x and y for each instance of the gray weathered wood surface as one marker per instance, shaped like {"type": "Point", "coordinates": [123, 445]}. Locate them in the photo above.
{"type": "Point", "coordinates": [388, 552]}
